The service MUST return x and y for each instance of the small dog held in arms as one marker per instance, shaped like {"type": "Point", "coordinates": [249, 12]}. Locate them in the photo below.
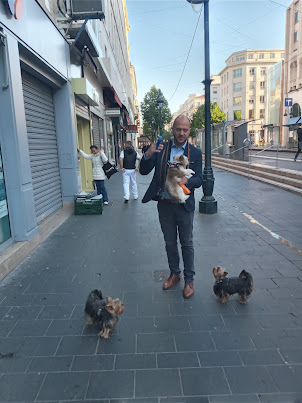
{"type": "Point", "coordinates": [177, 170]}
{"type": "Point", "coordinates": [226, 286]}
{"type": "Point", "coordinates": [103, 312]}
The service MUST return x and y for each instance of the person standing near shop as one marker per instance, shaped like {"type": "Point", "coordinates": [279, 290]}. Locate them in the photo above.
{"type": "Point", "coordinates": [98, 159]}
{"type": "Point", "coordinates": [299, 133]}
{"type": "Point", "coordinates": [127, 160]}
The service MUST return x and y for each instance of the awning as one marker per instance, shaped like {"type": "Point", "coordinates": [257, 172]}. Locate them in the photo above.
{"type": "Point", "coordinates": [297, 121]}
{"type": "Point", "coordinates": [229, 122]}
{"type": "Point", "coordinates": [268, 125]}
{"type": "Point", "coordinates": [115, 96]}
{"type": "Point", "coordinates": [118, 100]}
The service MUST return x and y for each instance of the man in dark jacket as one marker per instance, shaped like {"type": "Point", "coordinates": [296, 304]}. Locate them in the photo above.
{"type": "Point", "coordinates": [299, 133]}
{"type": "Point", "coordinates": [174, 217]}
{"type": "Point", "coordinates": [127, 162]}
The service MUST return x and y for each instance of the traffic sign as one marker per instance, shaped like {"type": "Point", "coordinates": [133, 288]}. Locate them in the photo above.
{"type": "Point", "coordinates": [288, 102]}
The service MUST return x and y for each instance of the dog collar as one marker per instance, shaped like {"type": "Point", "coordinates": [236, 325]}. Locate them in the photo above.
{"type": "Point", "coordinates": [173, 164]}
{"type": "Point", "coordinates": [225, 280]}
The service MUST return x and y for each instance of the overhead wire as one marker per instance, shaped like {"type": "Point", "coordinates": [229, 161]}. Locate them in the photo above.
{"type": "Point", "coordinates": [183, 70]}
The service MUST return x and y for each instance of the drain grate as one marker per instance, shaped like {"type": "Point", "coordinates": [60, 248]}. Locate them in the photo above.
{"type": "Point", "coordinates": [161, 275]}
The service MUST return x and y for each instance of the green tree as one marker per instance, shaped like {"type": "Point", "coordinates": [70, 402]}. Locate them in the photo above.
{"type": "Point", "coordinates": [151, 117]}
{"type": "Point", "coordinates": [198, 118]}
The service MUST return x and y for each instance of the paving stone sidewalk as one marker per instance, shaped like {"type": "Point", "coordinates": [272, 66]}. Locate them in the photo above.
{"type": "Point", "coordinates": [164, 349]}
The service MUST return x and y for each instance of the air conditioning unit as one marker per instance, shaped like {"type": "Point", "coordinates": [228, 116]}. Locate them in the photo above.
{"type": "Point", "coordinates": [87, 9]}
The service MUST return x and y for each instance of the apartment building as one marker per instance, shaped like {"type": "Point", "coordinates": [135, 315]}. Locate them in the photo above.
{"type": "Point", "coordinates": [216, 89]}
{"type": "Point", "coordinates": [292, 73]}
{"type": "Point", "coordinates": [244, 82]}
{"type": "Point", "coordinates": [190, 106]}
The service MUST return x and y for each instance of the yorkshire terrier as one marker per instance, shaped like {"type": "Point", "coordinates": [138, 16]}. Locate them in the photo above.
{"type": "Point", "coordinates": [226, 286]}
{"type": "Point", "coordinates": [103, 312]}
{"type": "Point", "coordinates": [176, 171]}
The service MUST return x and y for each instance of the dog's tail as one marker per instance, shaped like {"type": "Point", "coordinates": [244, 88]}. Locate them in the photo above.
{"type": "Point", "coordinates": [248, 277]}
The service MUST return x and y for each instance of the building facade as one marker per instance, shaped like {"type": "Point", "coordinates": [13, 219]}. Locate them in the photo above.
{"type": "Point", "coordinates": [216, 90]}
{"type": "Point", "coordinates": [37, 130]}
{"type": "Point", "coordinates": [244, 89]}
{"type": "Point", "coordinates": [65, 85]}
{"type": "Point", "coordinates": [292, 74]}
{"type": "Point", "coordinates": [190, 106]}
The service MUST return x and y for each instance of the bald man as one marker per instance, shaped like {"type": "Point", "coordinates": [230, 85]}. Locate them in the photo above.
{"type": "Point", "coordinates": [176, 219]}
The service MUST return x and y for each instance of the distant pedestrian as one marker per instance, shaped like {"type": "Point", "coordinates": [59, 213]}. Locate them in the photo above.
{"type": "Point", "coordinates": [299, 132]}
{"type": "Point", "coordinates": [127, 160]}
{"type": "Point", "coordinates": [176, 219]}
{"type": "Point", "coordinates": [98, 159]}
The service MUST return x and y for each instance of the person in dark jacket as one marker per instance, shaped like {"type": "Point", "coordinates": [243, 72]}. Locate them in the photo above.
{"type": "Point", "coordinates": [299, 133]}
{"type": "Point", "coordinates": [175, 218]}
{"type": "Point", "coordinates": [127, 160]}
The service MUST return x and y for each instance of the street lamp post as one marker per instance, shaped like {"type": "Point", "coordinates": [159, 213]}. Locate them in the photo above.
{"type": "Point", "coordinates": [208, 204]}
{"type": "Point", "coordinates": [153, 126]}
{"type": "Point", "coordinates": [160, 101]}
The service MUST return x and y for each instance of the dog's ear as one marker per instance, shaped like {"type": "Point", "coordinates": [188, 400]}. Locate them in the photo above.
{"type": "Point", "coordinates": [108, 299]}
{"type": "Point", "coordinates": [215, 272]}
{"type": "Point", "coordinates": [110, 307]}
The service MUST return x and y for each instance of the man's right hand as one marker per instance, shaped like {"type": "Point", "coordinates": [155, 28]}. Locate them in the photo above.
{"type": "Point", "coordinates": [152, 149]}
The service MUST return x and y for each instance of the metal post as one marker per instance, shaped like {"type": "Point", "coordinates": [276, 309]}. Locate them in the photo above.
{"type": "Point", "coordinates": [160, 122]}
{"type": "Point", "coordinates": [224, 139]}
{"type": "Point", "coordinates": [277, 156]}
{"type": "Point", "coordinates": [207, 205]}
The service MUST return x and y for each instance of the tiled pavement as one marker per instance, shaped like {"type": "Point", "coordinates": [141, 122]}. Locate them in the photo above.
{"type": "Point", "coordinates": [164, 349]}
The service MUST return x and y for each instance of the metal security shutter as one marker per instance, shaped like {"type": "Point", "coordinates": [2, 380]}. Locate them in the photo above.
{"type": "Point", "coordinates": [42, 141]}
{"type": "Point", "coordinates": [81, 108]}
{"type": "Point", "coordinates": [96, 131]}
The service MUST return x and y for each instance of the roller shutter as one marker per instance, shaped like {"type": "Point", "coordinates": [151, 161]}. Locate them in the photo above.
{"type": "Point", "coordinates": [96, 131]}
{"type": "Point", "coordinates": [42, 141]}
{"type": "Point", "coordinates": [81, 108]}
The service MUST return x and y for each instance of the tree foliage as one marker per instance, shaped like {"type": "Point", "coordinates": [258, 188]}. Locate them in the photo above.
{"type": "Point", "coordinates": [198, 118]}
{"type": "Point", "coordinates": [150, 110]}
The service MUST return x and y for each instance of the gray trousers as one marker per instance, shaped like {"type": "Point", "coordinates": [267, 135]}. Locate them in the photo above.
{"type": "Point", "coordinates": [176, 220]}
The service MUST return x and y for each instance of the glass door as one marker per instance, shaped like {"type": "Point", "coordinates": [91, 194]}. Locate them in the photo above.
{"type": "Point", "coordinates": [5, 233]}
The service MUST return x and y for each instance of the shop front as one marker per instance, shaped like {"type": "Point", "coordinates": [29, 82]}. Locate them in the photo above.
{"type": "Point", "coordinates": [5, 233]}
{"type": "Point", "coordinates": [37, 131]}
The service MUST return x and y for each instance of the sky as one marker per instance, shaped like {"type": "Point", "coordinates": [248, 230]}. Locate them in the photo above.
{"type": "Point", "coordinates": [161, 34]}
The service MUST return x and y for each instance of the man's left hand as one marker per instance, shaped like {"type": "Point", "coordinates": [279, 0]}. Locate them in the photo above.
{"type": "Point", "coordinates": [183, 181]}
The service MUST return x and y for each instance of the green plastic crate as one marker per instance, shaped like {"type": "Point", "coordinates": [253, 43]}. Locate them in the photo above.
{"type": "Point", "coordinates": [88, 206]}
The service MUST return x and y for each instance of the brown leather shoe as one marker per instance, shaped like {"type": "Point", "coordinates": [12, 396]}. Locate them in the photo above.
{"type": "Point", "coordinates": [172, 280]}
{"type": "Point", "coordinates": [188, 289]}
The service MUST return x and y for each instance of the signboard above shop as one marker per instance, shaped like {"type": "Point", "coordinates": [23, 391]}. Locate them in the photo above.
{"type": "Point", "coordinates": [131, 129]}
{"type": "Point", "coordinates": [113, 112]}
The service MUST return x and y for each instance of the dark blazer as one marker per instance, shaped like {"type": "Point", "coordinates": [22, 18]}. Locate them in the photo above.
{"type": "Point", "coordinates": [159, 161]}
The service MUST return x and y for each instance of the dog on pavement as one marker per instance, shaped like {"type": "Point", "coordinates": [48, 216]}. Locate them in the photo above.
{"type": "Point", "coordinates": [176, 171]}
{"type": "Point", "coordinates": [103, 311]}
{"type": "Point", "coordinates": [225, 286]}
